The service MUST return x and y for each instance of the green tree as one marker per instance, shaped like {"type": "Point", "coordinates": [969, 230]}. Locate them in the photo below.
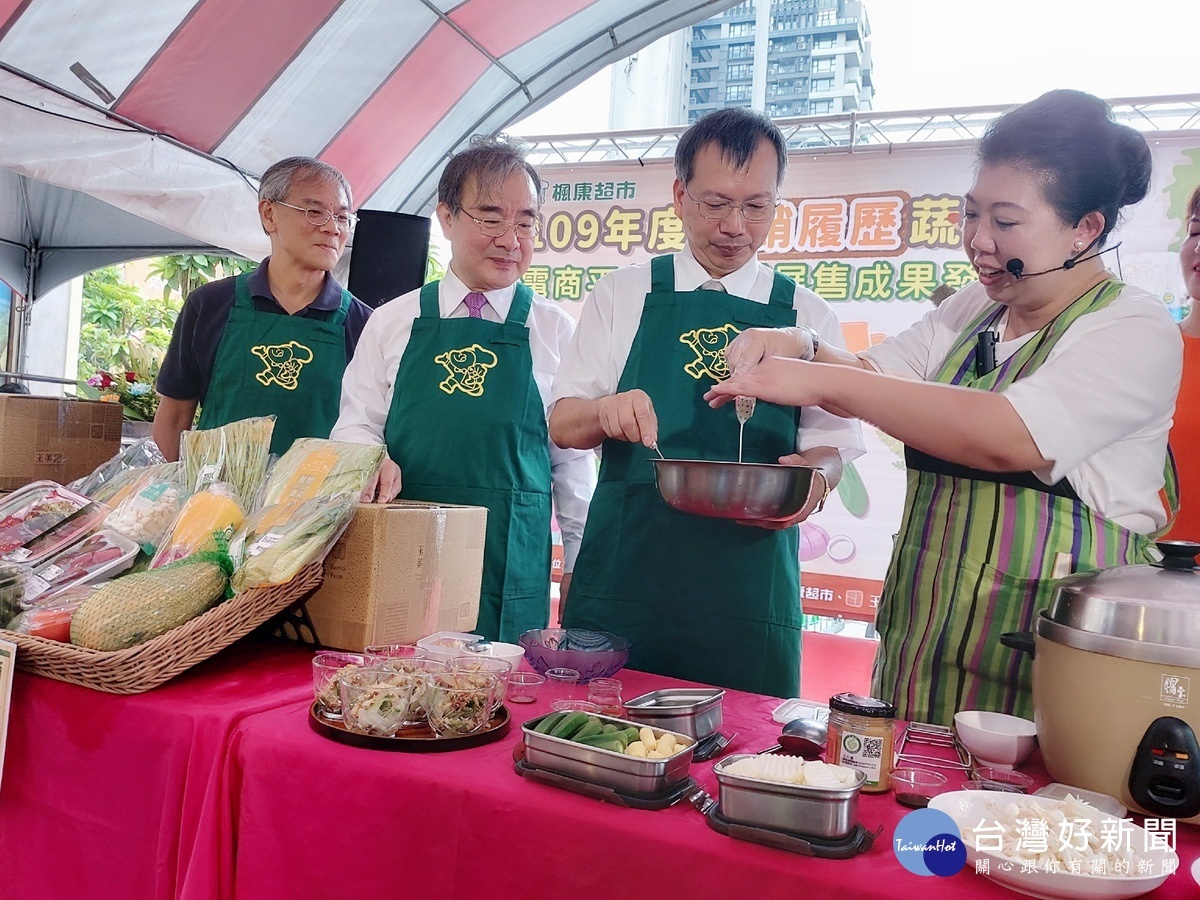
{"type": "Point", "coordinates": [185, 272]}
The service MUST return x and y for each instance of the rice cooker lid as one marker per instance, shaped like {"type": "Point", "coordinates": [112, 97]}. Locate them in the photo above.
{"type": "Point", "coordinates": [1144, 612]}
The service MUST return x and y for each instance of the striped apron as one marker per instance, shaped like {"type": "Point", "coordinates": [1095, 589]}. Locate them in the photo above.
{"type": "Point", "coordinates": [975, 553]}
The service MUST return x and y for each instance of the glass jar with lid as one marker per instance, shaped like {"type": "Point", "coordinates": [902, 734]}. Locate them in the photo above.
{"type": "Point", "coordinates": [862, 736]}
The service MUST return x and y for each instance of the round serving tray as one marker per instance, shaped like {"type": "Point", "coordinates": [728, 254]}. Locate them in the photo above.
{"type": "Point", "coordinates": [412, 738]}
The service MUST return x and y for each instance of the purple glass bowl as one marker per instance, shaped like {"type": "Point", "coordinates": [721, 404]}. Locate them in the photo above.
{"type": "Point", "coordinates": [594, 654]}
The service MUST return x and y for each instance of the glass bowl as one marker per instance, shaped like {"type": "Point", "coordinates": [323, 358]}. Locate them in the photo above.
{"type": "Point", "coordinates": [459, 703]}
{"type": "Point", "coordinates": [992, 778]}
{"type": "Point", "coordinates": [594, 654]}
{"type": "Point", "coordinates": [501, 668]}
{"type": "Point", "coordinates": [524, 687]}
{"type": "Point", "coordinates": [328, 668]}
{"type": "Point", "coordinates": [916, 787]}
{"type": "Point", "coordinates": [377, 701]}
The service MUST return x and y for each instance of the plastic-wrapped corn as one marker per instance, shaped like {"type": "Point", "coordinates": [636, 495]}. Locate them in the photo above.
{"type": "Point", "coordinates": [133, 609]}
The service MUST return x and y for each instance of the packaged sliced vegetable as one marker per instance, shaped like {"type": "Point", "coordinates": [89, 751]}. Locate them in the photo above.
{"type": "Point", "coordinates": [111, 493]}
{"type": "Point", "coordinates": [278, 541]}
{"type": "Point", "coordinates": [51, 618]}
{"type": "Point", "coordinates": [43, 518]}
{"type": "Point", "coordinates": [313, 467]}
{"type": "Point", "coordinates": [104, 554]}
{"type": "Point", "coordinates": [136, 456]}
{"type": "Point", "coordinates": [236, 453]}
{"type": "Point", "coordinates": [12, 590]}
{"type": "Point", "coordinates": [146, 515]}
{"type": "Point", "coordinates": [214, 511]}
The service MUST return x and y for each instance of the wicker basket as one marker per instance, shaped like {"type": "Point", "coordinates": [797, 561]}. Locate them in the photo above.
{"type": "Point", "coordinates": [148, 665]}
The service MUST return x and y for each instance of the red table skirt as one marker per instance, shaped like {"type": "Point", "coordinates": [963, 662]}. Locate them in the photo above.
{"type": "Point", "coordinates": [214, 786]}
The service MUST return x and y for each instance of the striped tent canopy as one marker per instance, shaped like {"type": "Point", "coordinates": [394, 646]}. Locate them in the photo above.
{"type": "Point", "coordinates": [383, 89]}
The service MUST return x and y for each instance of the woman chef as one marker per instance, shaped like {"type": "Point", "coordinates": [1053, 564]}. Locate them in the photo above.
{"type": "Point", "coordinates": [1034, 405]}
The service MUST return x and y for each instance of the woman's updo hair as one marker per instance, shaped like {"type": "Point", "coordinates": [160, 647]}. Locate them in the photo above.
{"type": "Point", "coordinates": [1086, 161]}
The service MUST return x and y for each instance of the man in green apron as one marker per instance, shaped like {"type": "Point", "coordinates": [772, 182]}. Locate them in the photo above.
{"type": "Point", "coordinates": [274, 341]}
{"type": "Point", "coordinates": [709, 600]}
{"type": "Point", "coordinates": [455, 379]}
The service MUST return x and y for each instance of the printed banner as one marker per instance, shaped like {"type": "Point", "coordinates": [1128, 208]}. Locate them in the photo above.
{"type": "Point", "coordinates": [873, 232]}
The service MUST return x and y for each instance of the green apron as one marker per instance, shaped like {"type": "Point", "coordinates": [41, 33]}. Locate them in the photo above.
{"type": "Point", "coordinates": [467, 425]}
{"type": "Point", "coordinates": [708, 600]}
{"type": "Point", "coordinates": [288, 366]}
{"type": "Point", "coordinates": [974, 555]}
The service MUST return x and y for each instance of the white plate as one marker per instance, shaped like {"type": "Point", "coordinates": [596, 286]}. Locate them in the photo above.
{"type": "Point", "coordinates": [969, 808]}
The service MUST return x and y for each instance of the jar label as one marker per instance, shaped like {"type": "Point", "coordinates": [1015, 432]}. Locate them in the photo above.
{"type": "Point", "coordinates": [863, 752]}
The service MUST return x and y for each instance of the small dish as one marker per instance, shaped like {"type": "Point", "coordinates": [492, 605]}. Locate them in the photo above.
{"type": "Point", "coordinates": [575, 706]}
{"type": "Point", "coordinates": [916, 787]}
{"type": "Point", "coordinates": [993, 778]}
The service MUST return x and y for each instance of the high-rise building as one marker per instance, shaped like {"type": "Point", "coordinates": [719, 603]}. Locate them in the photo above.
{"type": "Point", "coordinates": [784, 57]}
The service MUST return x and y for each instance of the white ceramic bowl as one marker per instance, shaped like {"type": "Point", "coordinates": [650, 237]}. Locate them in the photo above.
{"type": "Point", "coordinates": [995, 738]}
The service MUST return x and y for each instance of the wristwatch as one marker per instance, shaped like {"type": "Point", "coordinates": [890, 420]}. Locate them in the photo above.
{"type": "Point", "coordinates": [815, 339]}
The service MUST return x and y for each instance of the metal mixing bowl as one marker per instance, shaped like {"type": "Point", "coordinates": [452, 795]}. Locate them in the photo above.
{"type": "Point", "coordinates": [730, 490]}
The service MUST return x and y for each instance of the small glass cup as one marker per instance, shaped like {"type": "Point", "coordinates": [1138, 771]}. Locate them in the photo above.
{"type": "Point", "coordinates": [328, 667]}
{"type": "Point", "coordinates": [459, 703]}
{"type": "Point", "coordinates": [523, 687]}
{"type": "Point", "coordinates": [575, 706]}
{"type": "Point", "coordinates": [501, 668]}
{"type": "Point", "coordinates": [606, 693]}
{"type": "Point", "coordinates": [990, 778]}
{"type": "Point", "coordinates": [384, 652]}
{"type": "Point", "coordinates": [376, 701]}
{"type": "Point", "coordinates": [419, 667]}
{"type": "Point", "coordinates": [916, 787]}
{"type": "Point", "coordinates": [562, 684]}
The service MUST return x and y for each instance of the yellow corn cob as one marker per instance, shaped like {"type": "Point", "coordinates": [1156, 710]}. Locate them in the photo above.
{"type": "Point", "coordinates": [133, 609]}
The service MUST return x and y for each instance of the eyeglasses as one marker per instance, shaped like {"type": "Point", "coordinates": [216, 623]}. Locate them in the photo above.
{"type": "Point", "coordinates": [318, 217]}
{"type": "Point", "coordinates": [751, 210]}
{"type": "Point", "coordinates": [525, 230]}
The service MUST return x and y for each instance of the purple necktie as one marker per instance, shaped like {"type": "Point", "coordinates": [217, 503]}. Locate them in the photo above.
{"type": "Point", "coordinates": [475, 303]}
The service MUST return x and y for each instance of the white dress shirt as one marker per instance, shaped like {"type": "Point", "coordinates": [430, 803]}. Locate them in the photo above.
{"type": "Point", "coordinates": [1100, 406]}
{"type": "Point", "coordinates": [367, 387]}
{"type": "Point", "coordinates": [592, 366]}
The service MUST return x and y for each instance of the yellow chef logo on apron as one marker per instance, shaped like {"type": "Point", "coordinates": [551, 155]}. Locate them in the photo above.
{"type": "Point", "coordinates": [709, 346]}
{"type": "Point", "coordinates": [283, 363]}
{"type": "Point", "coordinates": [467, 367]}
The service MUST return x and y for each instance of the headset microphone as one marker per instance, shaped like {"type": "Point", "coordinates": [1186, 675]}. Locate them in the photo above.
{"type": "Point", "coordinates": [1016, 267]}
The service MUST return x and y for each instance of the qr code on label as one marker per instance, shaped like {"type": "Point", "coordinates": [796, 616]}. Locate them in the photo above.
{"type": "Point", "coordinates": [872, 748]}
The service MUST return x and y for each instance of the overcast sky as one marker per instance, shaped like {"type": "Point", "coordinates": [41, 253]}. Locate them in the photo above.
{"type": "Point", "coordinates": [940, 53]}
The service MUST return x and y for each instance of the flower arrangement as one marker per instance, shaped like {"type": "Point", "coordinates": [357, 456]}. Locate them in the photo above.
{"type": "Point", "coordinates": [135, 394]}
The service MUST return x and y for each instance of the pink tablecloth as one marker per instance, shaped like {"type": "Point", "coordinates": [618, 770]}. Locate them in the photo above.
{"type": "Point", "coordinates": [119, 797]}
{"type": "Point", "coordinates": [215, 786]}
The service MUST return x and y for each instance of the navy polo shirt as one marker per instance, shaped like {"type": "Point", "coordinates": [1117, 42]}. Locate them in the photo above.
{"type": "Point", "coordinates": [192, 353]}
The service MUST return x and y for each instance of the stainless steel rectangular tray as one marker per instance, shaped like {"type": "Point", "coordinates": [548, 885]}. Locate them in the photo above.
{"type": "Point", "coordinates": [606, 767]}
{"type": "Point", "coordinates": [795, 808]}
{"type": "Point", "coordinates": [695, 712]}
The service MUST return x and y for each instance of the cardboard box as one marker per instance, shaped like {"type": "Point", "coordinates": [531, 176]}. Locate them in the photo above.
{"type": "Point", "coordinates": [55, 438]}
{"type": "Point", "coordinates": [401, 571]}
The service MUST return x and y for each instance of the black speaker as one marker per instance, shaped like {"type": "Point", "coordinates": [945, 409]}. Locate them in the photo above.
{"type": "Point", "coordinates": [389, 255]}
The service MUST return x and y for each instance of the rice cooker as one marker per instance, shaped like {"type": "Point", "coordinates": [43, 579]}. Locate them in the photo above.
{"type": "Point", "coordinates": [1116, 683]}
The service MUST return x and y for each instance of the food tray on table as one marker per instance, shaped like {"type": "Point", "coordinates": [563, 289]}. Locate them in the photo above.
{"type": "Point", "coordinates": [413, 738]}
{"type": "Point", "coordinates": [658, 800]}
{"type": "Point", "coordinates": [147, 665]}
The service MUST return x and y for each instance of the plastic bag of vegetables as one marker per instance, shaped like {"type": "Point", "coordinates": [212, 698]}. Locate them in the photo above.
{"type": "Point", "coordinates": [135, 608]}
{"type": "Point", "coordinates": [146, 515]}
{"type": "Point", "coordinates": [236, 453]}
{"type": "Point", "coordinates": [138, 455]}
{"type": "Point", "coordinates": [313, 467]}
{"type": "Point", "coordinates": [206, 518]}
{"type": "Point", "coordinates": [278, 541]}
{"type": "Point", "coordinates": [50, 617]}
{"type": "Point", "coordinates": [117, 488]}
